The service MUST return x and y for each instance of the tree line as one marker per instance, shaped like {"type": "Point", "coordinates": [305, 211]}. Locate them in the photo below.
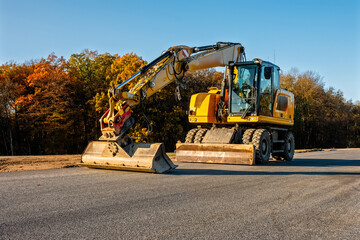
{"type": "Point", "coordinates": [53, 105]}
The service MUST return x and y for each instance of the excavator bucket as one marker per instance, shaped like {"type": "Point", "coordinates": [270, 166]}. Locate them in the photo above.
{"type": "Point", "coordinates": [216, 153]}
{"type": "Point", "coordinates": [143, 157]}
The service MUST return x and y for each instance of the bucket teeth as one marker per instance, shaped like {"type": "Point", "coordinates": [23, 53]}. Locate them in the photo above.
{"type": "Point", "coordinates": [143, 157]}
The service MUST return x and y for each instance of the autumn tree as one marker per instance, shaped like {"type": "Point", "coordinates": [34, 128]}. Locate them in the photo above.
{"type": "Point", "coordinates": [122, 68]}
{"type": "Point", "coordinates": [355, 126]}
{"type": "Point", "coordinates": [323, 117]}
{"type": "Point", "coordinates": [43, 109]}
{"type": "Point", "coordinates": [167, 114]}
{"type": "Point", "coordinates": [90, 73]}
{"type": "Point", "coordinates": [13, 85]}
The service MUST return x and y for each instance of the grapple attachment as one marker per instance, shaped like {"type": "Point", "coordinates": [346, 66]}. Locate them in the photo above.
{"type": "Point", "coordinates": [143, 157]}
{"type": "Point", "coordinates": [216, 153]}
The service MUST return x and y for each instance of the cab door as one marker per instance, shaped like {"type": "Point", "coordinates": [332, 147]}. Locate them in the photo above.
{"type": "Point", "coordinates": [266, 91]}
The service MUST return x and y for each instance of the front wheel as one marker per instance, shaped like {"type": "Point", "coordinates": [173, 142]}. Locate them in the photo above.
{"type": "Point", "coordinates": [261, 140]}
{"type": "Point", "coordinates": [247, 136]}
{"type": "Point", "coordinates": [191, 135]}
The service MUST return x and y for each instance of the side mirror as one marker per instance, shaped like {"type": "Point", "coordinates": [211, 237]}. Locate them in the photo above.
{"type": "Point", "coordinates": [267, 72]}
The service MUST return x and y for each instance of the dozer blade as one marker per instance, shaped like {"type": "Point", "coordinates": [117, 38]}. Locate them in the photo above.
{"type": "Point", "coordinates": [215, 153]}
{"type": "Point", "coordinates": [143, 157]}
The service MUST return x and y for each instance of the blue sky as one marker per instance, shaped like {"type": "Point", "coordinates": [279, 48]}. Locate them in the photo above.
{"type": "Point", "coordinates": [318, 35]}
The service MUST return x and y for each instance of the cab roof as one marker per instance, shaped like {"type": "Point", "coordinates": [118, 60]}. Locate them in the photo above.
{"type": "Point", "coordinates": [257, 61]}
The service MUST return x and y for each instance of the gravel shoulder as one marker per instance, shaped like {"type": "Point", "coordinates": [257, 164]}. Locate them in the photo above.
{"type": "Point", "coordinates": [24, 163]}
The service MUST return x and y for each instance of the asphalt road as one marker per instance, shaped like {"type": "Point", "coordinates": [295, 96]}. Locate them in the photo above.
{"type": "Point", "coordinates": [317, 196]}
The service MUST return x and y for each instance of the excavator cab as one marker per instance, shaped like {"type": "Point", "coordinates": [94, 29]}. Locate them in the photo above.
{"type": "Point", "coordinates": [250, 89]}
{"type": "Point", "coordinates": [243, 88]}
{"type": "Point", "coordinates": [253, 87]}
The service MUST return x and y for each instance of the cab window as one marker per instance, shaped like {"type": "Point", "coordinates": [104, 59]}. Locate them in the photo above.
{"type": "Point", "coordinates": [242, 88]}
{"type": "Point", "coordinates": [265, 105]}
{"type": "Point", "coordinates": [276, 82]}
{"type": "Point", "coordinates": [276, 79]}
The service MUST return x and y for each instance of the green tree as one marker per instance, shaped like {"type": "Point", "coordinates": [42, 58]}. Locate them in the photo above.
{"type": "Point", "coordinates": [322, 117]}
{"type": "Point", "coordinates": [168, 115]}
{"type": "Point", "coordinates": [91, 76]}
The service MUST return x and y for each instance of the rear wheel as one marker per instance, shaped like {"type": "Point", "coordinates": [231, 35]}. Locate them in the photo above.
{"type": "Point", "coordinates": [289, 146]}
{"type": "Point", "coordinates": [247, 136]}
{"type": "Point", "coordinates": [262, 142]}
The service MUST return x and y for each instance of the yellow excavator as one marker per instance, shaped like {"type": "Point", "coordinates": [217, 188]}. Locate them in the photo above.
{"type": "Point", "coordinates": [242, 123]}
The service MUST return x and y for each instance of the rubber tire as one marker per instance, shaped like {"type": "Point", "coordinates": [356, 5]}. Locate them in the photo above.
{"type": "Point", "coordinates": [199, 135]}
{"type": "Point", "coordinates": [190, 135]}
{"type": "Point", "coordinates": [262, 141]}
{"type": "Point", "coordinates": [247, 136]}
{"type": "Point", "coordinates": [289, 147]}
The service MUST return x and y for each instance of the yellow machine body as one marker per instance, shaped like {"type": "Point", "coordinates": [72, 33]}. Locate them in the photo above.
{"type": "Point", "coordinates": [203, 107]}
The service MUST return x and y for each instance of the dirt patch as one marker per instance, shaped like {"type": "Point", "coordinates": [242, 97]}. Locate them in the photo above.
{"type": "Point", "coordinates": [23, 163]}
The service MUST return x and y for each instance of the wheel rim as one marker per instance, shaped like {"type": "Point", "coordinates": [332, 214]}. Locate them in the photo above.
{"type": "Point", "coordinates": [289, 146]}
{"type": "Point", "coordinates": [264, 147]}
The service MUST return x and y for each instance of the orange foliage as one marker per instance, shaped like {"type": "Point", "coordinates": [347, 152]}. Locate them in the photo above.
{"type": "Point", "coordinates": [124, 67]}
{"type": "Point", "coordinates": [45, 77]}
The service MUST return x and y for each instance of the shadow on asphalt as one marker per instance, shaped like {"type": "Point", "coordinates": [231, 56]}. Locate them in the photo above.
{"type": "Point", "coordinates": [297, 162]}
{"type": "Point", "coordinates": [231, 172]}
{"type": "Point", "coordinates": [308, 162]}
